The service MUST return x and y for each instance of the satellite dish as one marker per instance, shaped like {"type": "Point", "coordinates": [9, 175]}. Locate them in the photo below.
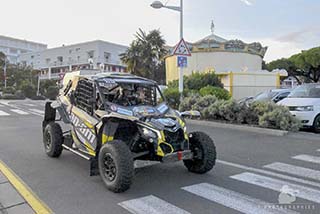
{"type": "Point", "coordinates": [157, 5]}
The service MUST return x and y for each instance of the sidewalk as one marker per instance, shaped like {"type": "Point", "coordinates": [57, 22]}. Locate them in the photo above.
{"type": "Point", "coordinates": [16, 197]}
{"type": "Point", "coordinates": [10, 200]}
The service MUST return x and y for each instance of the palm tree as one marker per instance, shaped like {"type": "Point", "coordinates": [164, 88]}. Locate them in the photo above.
{"type": "Point", "coordinates": [145, 56]}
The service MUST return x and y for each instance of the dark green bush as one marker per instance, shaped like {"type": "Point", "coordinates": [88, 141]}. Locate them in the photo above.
{"type": "Point", "coordinates": [264, 114]}
{"type": "Point", "coordinates": [52, 92]}
{"type": "Point", "coordinates": [28, 90]}
{"type": "Point", "coordinates": [279, 118]}
{"type": "Point", "coordinates": [220, 93]}
{"type": "Point", "coordinates": [9, 90]}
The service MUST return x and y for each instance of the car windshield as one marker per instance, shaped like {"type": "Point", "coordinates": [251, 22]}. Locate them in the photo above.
{"type": "Point", "coordinates": [306, 91]}
{"type": "Point", "coordinates": [129, 93]}
{"type": "Point", "coordinates": [265, 96]}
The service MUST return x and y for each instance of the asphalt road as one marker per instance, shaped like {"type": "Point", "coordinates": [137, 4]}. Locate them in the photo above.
{"type": "Point", "coordinates": [253, 171]}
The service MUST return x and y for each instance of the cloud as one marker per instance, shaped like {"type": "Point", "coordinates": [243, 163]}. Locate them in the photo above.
{"type": "Point", "coordinates": [302, 38]}
{"type": "Point", "coordinates": [247, 2]}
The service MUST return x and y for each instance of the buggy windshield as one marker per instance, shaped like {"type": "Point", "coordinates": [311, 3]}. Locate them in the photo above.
{"type": "Point", "coordinates": [129, 92]}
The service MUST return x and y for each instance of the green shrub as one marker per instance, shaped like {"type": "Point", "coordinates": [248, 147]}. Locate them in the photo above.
{"type": "Point", "coordinates": [279, 118]}
{"type": "Point", "coordinates": [9, 90]}
{"type": "Point", "coordinates": [172, 96]}
{"type": "Point", "coordinates": [197, 80]}
{"type": "Point", "coordinates": [52, 92]}
{"type": "Point", "coordinates": [188, 102]}
{"type": "Point", "coordinates": [220, 93]}
{"type": "Point", "coordinates": [264, 114]}
{"type": "Point", "coordinates": [28, 90]}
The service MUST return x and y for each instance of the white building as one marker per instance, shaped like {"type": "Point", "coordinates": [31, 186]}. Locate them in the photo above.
{"type": "Point", "coordinates": [12, 47]}
{"type": "Point", "coordinates": [96, 54]}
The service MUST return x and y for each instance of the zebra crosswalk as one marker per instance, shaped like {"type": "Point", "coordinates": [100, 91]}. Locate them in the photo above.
{"type": "Point", "coordinates": [7, 111]}
{"type": "Point", "coordinates": [287, 180]}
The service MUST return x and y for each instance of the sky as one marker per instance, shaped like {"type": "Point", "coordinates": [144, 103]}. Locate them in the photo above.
{"type": "Point", "coordinates": [285, 26]}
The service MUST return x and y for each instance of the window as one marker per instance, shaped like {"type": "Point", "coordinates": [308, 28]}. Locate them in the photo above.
{"type": "Point", "coordinates": [48, 61]}
{"type": "Point", "coordinates": [114, 68]}
{"type": "Point", "coordinates": [60, 59]}
{"type": "Point", "coordinates": [32, 56]}
{"type": "Point", "coordinates": [90, 54]}
{"type": "Point", "coordinates": [107, 56]}
{"type": "Point", "coordinates": [78, 58]}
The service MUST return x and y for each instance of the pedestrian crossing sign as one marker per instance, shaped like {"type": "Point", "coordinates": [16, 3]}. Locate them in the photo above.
{"type": "Point", "coordinates": [182, 49]}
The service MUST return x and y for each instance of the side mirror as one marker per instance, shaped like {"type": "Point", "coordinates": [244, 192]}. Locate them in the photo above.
{"type": "Point", "coordinates": [190, 114]}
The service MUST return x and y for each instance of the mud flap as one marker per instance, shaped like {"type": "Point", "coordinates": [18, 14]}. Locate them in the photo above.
{"type": "Point", "coordinates": [49, 115]}
{"type": "Point", "coordinates": [94, 167]}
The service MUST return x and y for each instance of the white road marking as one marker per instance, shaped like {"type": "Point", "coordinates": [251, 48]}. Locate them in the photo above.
{"type": "Point", "coordinates": [37, 111]}
{"type": "Point", "coordinates": [286, 177]}
{"type": "Point", "coordinates": [308, 158]}
{"type": "Point", "coordinates": [18, 111]}
{"type": "Point", "coordinates": [151, 205]}
{"type": "Point", "coordinates": [231, 199]}
{"type": "Point", "coordinates": [2, 113]}
{"type": "Point", "coordinates": [294, 170]}
{"type": "Point", "coordinates": [276, 185]}
{"type": "Point", "coordinates": [28, 104]}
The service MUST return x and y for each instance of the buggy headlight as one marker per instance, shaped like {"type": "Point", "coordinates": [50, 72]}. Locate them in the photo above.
{"type": "Point", "coordinates": [304, 108]}
{"type": "Point", "coordinates": [148, 133]}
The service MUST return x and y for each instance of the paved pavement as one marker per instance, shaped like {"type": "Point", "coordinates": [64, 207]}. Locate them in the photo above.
{"type": "Point", "coordinates": [255, 173]}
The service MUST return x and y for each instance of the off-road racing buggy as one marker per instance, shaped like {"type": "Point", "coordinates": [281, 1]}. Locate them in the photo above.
{"type": "Point", "coordinates": [114, 119]}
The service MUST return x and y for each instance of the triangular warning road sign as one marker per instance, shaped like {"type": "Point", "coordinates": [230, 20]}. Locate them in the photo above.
{"type": "Point", "coordinates": [182, 49]}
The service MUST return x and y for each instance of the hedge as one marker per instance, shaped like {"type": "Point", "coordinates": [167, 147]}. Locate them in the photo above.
{"type": "Point", "coordinates": [263, 114]}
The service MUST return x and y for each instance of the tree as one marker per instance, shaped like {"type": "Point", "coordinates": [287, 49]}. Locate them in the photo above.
{"type": "Point", "coordinates": [2, 59]}
{"type": "Point", "coordinates": [308, 64]}
{"type": "Point", "coordinates": [303, 65]}
{"type": "Point", "coordinates": [145, 56]}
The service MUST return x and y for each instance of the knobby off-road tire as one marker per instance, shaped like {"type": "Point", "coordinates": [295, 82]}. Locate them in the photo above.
{"type": "Point", "coordinates": [205, 153]}
{"type": "Point", "coordinates": [53, 139]}
{"type": "Point", "coordinates": [116, 166]}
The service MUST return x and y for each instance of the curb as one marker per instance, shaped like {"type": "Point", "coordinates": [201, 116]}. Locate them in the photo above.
{"type": "Point", "coordinates": [24, 190]}
{"type": "Point", "coordinates": [258, 130]}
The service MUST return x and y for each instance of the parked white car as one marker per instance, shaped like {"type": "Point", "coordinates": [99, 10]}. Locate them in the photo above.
{"type": "Point", "coordinates": [304, 103]}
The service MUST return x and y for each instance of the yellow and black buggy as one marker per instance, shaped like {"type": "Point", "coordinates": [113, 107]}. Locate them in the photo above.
{"type": "Point", "coordinates": [114, 119]}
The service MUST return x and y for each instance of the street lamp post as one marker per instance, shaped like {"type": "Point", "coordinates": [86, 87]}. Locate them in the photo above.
{"type": "Point", "coordinates": [5, 72]}
{"type": "Point", "coordinates": [158, 5]}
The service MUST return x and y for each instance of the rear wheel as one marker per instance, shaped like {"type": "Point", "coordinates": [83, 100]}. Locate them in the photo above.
{"type": "Point", "coordinates": [116, 166]}
{"type": "Point", "coordinates": [53, 139]}
{"type": "Point", "coordinates": [316, 124]}
{"type": "Point", "coordinates": [204, 153]}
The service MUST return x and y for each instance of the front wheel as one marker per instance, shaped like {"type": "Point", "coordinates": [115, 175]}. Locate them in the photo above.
{"type": "Point", "coordinates": [204, 153]}
{"type": "Point", "coordinates": [116, 166]}
{"type": "Point", "coordinates": [316, 124]}
{"type": "Point", "coordinates": [53, 139]}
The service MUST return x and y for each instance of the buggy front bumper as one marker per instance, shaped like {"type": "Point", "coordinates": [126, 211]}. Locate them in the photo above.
{"type": "Point", "coordinates": [178, 156]}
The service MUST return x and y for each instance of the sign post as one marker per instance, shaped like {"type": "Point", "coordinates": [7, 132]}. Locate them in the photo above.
{"type": "Point", "coordinates": [181, 51]}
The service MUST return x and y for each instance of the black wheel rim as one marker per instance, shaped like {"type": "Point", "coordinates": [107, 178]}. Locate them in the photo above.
{"type": "Point", "coordinates": [48, 142]}
{"type": "Point", "coordinates": [110, 170]}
